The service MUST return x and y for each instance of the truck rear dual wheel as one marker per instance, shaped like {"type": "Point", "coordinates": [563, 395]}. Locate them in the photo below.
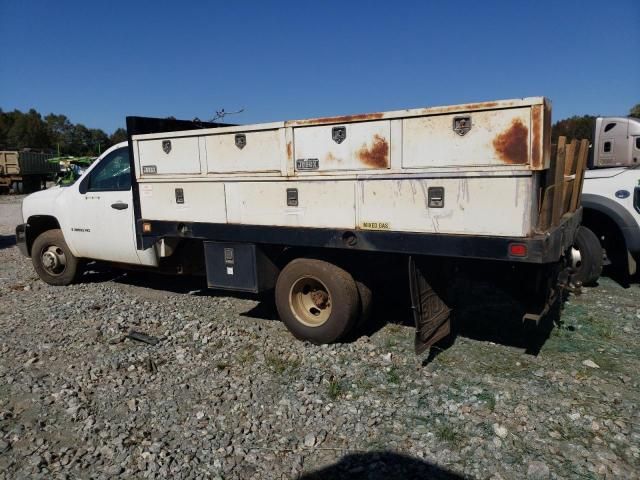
{"type": "Point", "coordinates": [317, 300]}
{"type": "Point", "coordinates": [588, 268]}
{"type": "Point", "coordinates": [53, 261]}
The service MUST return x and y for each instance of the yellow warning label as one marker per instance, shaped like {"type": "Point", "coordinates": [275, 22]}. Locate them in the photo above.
{"type": "Point", "coordinates": [376, 225]}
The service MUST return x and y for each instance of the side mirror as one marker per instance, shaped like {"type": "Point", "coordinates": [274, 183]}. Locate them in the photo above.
{"type": "Point", "coordinates": [84, 184]}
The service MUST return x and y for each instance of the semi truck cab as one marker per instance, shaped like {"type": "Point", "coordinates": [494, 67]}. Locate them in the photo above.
{"type": "Point", "coordinates": [611, 191]}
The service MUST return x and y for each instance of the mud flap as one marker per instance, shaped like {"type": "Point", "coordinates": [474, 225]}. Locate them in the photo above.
{"type": "Point", "coordinates": [431, 314]}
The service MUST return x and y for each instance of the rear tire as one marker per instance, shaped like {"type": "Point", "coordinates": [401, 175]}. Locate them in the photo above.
{"type": "Point", "coordinates": [590, 267]}
{"type": "Point", "coordinates": [53, 261]}
{"type": "Point", "coordinates": [366, 306]}
{"type": "Point", "coordinates": [317, 300]}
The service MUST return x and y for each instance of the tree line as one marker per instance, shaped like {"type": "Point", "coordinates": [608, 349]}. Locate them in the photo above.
{"type": "Point", "coordinates": [52, 134]}
{"type": "Point", "coordinates": [581, 126]}
{"type": "Point", "coordinates": [55, 133]}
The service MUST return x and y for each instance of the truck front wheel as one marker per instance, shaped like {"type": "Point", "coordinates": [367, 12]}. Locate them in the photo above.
{"type": "Point", "coordinates": [52, 259]}
{"type": "Point", "coordinates": [317, 300]}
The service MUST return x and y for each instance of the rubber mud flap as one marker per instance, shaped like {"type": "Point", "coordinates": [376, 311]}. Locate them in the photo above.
{"type": "Point", "coordinates": [431, 314]}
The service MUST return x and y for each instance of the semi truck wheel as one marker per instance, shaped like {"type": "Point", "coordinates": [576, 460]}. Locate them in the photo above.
{"type": "Point", "coordinates": [317, 300]}
{"type": "Point", "coordinates": [52, 259]}
{"type": "Point", "coordinates": [588, 264]}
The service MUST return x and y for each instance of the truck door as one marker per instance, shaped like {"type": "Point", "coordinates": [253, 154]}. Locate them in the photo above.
{"type": "Point", "coordinates": [102, 226]}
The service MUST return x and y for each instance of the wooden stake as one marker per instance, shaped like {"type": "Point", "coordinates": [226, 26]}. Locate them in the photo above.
{"type": "Point", "coordinates": [581, 165]}
{"type": "Point", "coordinates": [558, 180]}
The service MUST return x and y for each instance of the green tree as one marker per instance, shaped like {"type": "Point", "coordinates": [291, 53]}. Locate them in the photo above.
{"type": "Point", "coordinates": [120, 135]}
{"type": "Point", "coordinates": [578, 127]}
{"type": "Point", "coordinates": [29, 131]}
{"type": "Point", "coordinates": [53, 133]}
{"type": "Point", "coordinates": [80, 140]}
{"type": "Point", "coordinates": [8, 119]}
{"type": "Point", "coordinates": [3, 130]}
{"type": "Point", "coordinates": [635, 111]}
{"type": "Point", "coordinates": [99, 141]}
{"type": "Point", "coordinates": [60, 131]}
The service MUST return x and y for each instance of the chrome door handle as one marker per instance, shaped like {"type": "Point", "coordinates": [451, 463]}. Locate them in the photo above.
{"type": "Point", "coordinates": [119, 205]}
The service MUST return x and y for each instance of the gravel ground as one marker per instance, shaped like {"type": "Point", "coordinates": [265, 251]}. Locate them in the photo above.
{"type": "Point", "coordinates": [228, 393]}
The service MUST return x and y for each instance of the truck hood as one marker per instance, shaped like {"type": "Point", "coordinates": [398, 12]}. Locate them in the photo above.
{"type": "Point", "coordinates": [40, 203]}
{"type": "Point", "coordinates": [606, 172]}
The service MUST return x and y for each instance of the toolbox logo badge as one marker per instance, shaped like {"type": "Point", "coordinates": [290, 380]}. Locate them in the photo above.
{"type": "Point", "coordinates": [339, 134]}
{"type": "Point", "coordinates": [462, 125]}
{"type": "Point", "coordinates": [166, 146]}
{"type": "Point", "coordinates": [241, 140]}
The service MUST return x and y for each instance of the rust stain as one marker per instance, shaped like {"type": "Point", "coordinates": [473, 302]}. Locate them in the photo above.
{"type": "Point", "coordinates": [546, 137]}
{"type": "Point", "coordinates": [377, 156]}
{"type": "Point", "coordinates": [536, 133]}
{"type": "Point", "coordinates": [511, 145]}
{"type": "Point", "coordinates": [332, 158]}
{"type": "Point", "coordinates": [342, 119]}
{"type": "Point", "coordinates": [469, 106]}
{"type": "Point", "coordinates": [289, 150]}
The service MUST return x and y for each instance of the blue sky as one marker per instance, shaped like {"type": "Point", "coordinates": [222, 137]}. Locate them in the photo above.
{"type": "Point", "coordinates": [98, 62]}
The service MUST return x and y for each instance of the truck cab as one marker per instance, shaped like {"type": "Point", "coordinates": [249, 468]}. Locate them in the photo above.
{"type": "Point", "coordinates": [611, 191]}
{"type": "Point", "coordinates": [95, 214]}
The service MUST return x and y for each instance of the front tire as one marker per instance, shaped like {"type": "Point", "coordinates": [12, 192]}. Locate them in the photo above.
{"type": "Point", "coordinates": [589, 268]}
{"type": "Point", "coordinates": [317, 300]}
{"type": "Point", "coordinates": [53, 261]}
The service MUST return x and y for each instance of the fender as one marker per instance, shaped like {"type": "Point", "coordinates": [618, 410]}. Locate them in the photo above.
{"type": "Point", "coordinates": [621, 217]}
{"type": "Point", "coordinates": [28, 232]}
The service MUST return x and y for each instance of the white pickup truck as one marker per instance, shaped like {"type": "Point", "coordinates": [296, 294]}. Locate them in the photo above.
{"type": "Point", "coordinates": [313, 209]}
{"type": "Point", "coordinates": [611, 192]}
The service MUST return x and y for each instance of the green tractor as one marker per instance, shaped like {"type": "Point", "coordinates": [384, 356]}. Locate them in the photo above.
{"type": "Point", "coordinates": [71, 168]}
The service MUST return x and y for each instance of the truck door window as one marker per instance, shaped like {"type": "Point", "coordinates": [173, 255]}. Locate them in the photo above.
{"type": "Point", "coordinates": [637, 143]}
{"type": "Point", "coordinates": [609, 126]}
{"type": "Point", "coordinates": [606, 147]}
{"type": "Point", "coordinates": [112, 174]}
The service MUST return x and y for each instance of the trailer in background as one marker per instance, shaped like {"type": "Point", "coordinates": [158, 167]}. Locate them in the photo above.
{"type": "Point", "coordinates": [25, 171]}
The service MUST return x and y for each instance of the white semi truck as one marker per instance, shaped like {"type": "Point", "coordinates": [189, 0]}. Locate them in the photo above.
{"type": "Point", "coordinates": [611, 194]}
{"type": "Point", "coordinates": [315, 209]}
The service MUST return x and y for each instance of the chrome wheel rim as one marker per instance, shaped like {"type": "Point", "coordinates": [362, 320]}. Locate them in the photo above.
{"type": "Point", "coordinates": [53, 260]}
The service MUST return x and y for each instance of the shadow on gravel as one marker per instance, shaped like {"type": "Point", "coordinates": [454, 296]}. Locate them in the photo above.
{"type": "Point", "coordinates": [7, 241]}
{"type": "Point", "coordinates": [621, 276]}
{"type": "Point", "coordinates": [383, 466]}
{"type": "Point", "coordinates": [183, 285]}
{"type": "Point", "coordinates": [485, 312]}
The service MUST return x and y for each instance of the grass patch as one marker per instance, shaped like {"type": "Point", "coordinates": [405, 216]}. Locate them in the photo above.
{"type": "Point", "coordinates": [604, 330]}
{"type": "Point", "coordinates": [280, 365]}
{"type": "Point", "coordinates": [447, 434]}
{"type": "Point", "coordinates": [445, 358]}
{"type": "Point", "coordinates": [248, 355]}
{"type": "Point", "coordinates": [393, 376]}
{"type": "Point", "coordinates": [363, 384]}
{"type": "Point", "coordinates": [489, 399]}
{"type": "Point", "coordinates": [335, 389]}
{"type": "Point", "coordinates": [394, 328]}
{"type": "Point", "coordinates": [607, 363]}
{"type": "Point", "coordinates": [390, 343]}
{"type": "Point", "coordinates": [422, 420]}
